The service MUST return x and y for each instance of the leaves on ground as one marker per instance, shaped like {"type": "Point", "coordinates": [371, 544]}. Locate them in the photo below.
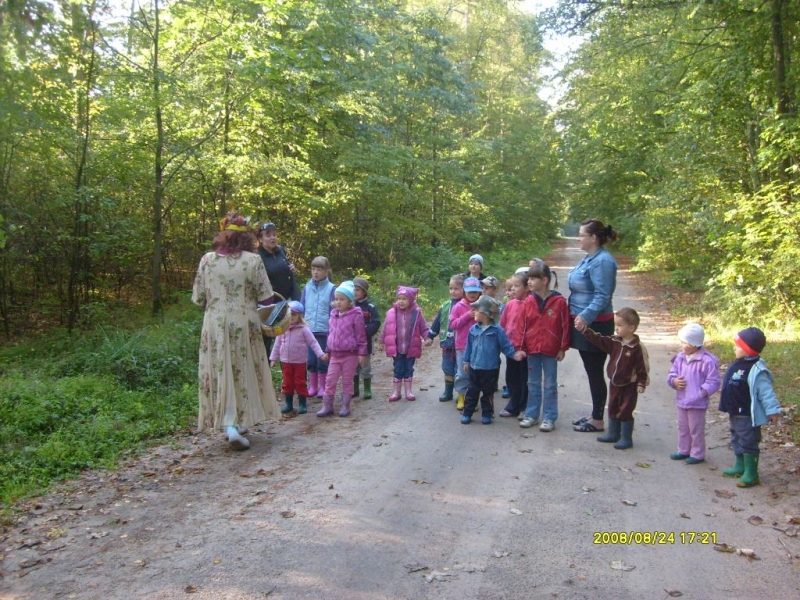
{"type": "Point", "coordinates": [620, 565]}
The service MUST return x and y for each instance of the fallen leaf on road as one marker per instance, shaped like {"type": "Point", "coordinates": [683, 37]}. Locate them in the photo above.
{"type": "Point", "coordinates": [643, 465]}
{"type": "Point", "coordinates": [421, 481]}
{"type": "Point", "coordinates": [673, 593]}
{"type": "Point", "coordinates": [515, 511]}
{"type": "Point", "coordinates": [526, 451]}
{"type": "Point", "coordinates": [499, 553]}
{"type": "Point", "coordinates": [710, 514]}
{"type": "Point", "coordinates": [621, 566]}
{"type": "Point", "coordinates": [792, 520]}
{"type": "Point", "coordinates": [755, 520]}
{"type": "Point", "coordinates": [97, 534]}
{"type": "Point", "coordinates": [586, 489]}
{"type": "Point", "coordinates": [685, 516]}
{"type": "Point", "coordinates": [414, 567]}
{"type": "Point", "coordinates": [629, 502]}
{"type": "Point", "coordinates": [287, 514]}
{"type": "Point", "coordinates": [724, 548]}
{"type": "Point", "coordinates": [747, 552]}
{"type": "Point", "coordinates": [330, 486]}
{"type": "Point", "coordinates": [190, 589]}
{"type": "Point", "coordinates": [559, 451]}
{"type": "Point", "coordinates": [724, 494]}
{"type": "Point", "coordinates": [438, 576]}
{"type": "Point", "coordinates": [626, 469]}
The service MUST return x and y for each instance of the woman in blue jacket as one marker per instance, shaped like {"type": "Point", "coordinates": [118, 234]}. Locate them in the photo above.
{"type": "Point", "coordinates": [591, 284]}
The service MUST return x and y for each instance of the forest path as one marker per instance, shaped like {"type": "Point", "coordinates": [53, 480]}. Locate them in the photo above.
{"type": "Point", "coordinates": [401, 501]}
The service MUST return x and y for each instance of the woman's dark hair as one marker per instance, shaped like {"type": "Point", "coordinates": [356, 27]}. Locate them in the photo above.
{"type": "Point", "coordinates": [603, 232]}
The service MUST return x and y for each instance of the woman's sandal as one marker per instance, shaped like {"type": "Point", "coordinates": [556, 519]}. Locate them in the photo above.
{"type": "Point", "coordinates": [587, 427]}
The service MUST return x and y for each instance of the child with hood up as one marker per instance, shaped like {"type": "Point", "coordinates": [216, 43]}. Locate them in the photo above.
{"type": "Point", "coordinates": [404, 333]}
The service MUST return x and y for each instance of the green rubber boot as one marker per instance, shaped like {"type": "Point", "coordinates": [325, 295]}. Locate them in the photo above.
{"type": "Point", "coordinates": [447, 395]}
{"type": "Point", "coordinates": [737, 470]}
{"type": "Point", "coordinates": [367, 389]}
{"type": "Point", "coordinates": [356, 391]}
{"type": "Point", "coordinates": [612, 432]}
{"type": "Point", "coordinates": [750, 477]}
{"type": "Point", "coordinates": [625, 435]}
{"type": "Point", "coordinates": [302, 407]}
{"type": "Point", "coordinates": [288, 403]}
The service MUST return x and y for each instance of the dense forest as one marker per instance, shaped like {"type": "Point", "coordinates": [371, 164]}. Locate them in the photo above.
{"type": "Point", "coordinates": [369, 130]}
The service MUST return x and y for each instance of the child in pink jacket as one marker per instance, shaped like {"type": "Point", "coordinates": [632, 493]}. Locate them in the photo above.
{"type": "Point", "coordinates": [291, 348]}
{"type": "Point", "coordinates": [462, 318]}
{"type": "Point", "coordinates": [347, 348]}
{"type": "Point", "coordinates": [404, 333]}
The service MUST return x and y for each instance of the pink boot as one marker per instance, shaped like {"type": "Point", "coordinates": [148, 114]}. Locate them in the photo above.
{"type": "Point", "coordinates": [312, 385]}
{"type": "Point", "coordinates": [345, 412]}
{"type": "Point", "coordinates": [395, 390]}
{"type": "Point", "coordinates": [409, 394]}
{"type": "Point", "coordinates": [327, 407]}
{"type": "Point", "coordinates": [321, 378]}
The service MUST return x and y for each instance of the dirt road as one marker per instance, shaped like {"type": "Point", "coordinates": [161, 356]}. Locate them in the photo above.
{"type": "Point", "coordinates": [401, 501]}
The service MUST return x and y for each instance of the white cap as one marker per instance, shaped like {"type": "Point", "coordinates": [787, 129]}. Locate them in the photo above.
{"type": "Point", "coordinates": [692, 334]}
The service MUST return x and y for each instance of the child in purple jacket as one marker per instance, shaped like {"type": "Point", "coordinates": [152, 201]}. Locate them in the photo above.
{"type": "Point", "coordinates": [404, 333]}
{"type": "Point", "coordinates": [695, 376]}
{"type": "Point", "coordinates": [291, 348]}
{"type": "Point", "coordinates": [347, 347]}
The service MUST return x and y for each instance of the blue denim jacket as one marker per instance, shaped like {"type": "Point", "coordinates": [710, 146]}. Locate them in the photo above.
{"type": "Point", "coordinates": [591, 285]}
{"type": "Point", "coordinates": [485, 345]}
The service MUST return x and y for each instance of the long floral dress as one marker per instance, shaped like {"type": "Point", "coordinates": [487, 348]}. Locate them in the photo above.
{"type": "Point", "coordinates": [235, 385]}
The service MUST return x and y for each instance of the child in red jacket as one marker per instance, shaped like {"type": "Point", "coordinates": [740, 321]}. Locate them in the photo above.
{"type": "Point", "coordinates": [547, 332]}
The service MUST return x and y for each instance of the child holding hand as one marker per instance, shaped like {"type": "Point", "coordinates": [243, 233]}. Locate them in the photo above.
{"type": "Point", "coordinates": [695, 376]}
{"type": "Point", "coordinates": [347, 347]}
{"type": "Point", "coordinates": [461, 320]}
{"type": "Point", "coordinates": [292, 348]}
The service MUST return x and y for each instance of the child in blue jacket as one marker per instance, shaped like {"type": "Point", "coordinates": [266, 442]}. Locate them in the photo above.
{"type": "Point", "coordinates": [482, 358]}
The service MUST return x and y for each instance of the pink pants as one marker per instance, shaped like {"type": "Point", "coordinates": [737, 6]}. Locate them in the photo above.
{"type": "Point", "coordinates": [692, 432]}
{"type": "Point", "coordinates": [341, 364]}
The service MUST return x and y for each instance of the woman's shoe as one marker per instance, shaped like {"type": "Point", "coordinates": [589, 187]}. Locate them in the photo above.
{"type": "Point", "coordinates": [528, 422]}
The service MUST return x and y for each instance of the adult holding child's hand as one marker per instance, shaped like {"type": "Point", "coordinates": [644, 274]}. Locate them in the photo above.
{"type": "Point", "coordinates": [591, 284]}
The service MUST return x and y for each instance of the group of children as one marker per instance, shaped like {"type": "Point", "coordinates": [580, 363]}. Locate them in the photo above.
{"type": "Point", "coordinates": [532, 329]}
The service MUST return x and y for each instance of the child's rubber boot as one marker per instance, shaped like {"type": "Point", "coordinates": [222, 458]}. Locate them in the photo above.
{"type": "Point", "coordinates": [356, 391]}
{"type": "Point", "coordinates": [367, 389]}
{"type": "Point", "coordinates": [322, 378]}
{"type": "Point", "coordinates": [395, 396]}
{"type": "Point", "coordinates": [737, 470]}
{"type": "Point", "coordinates": [345, 411]}
{"type": "Point", "coordinates": [460, 399]}
{"type": "Point", "coordinates": [302, 408]}
{"type": "Point", "coordinates": [750, 476]}
{"type": "Point", "coordinates": [506, 392]}
{"type": "Point", "coordinates": [288, 403]}
{"type": "Point", "coordinates": [327, 407]}
{"type": "Point", "coordinates": [612, 433]}
{"type": "Point", "coordinates": [407, 383]}
{"type": "Point", "coordinates": [625, 435]}
{"type": "Point", "coordinates": [447, 395]}
{"type": "Point", "coordinates": [312, 384]}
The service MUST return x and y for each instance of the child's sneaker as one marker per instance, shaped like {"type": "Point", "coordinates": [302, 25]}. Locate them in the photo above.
{"type": "Point", "coordinates": [528, 422]}
{"type": "Point", "coordinates": [486, 420]}
{"type": "Point", "coordinates": [466, 420]}
{"type": "Point", "coordinates": [547, 426]}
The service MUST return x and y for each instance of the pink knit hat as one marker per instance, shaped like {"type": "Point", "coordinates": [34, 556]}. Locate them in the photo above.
{"type": "Point", "coordinates": [409, 292]}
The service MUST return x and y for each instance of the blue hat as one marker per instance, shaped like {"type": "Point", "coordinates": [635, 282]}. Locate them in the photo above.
{"type": "Point", "coordinates": [471, 284]}
{"type": "Point", "coordinates": [476, 258]}
{"type": "Point", "coordinates": [347, 288]}
{"type": "Point", "coordinates": [297, 307]}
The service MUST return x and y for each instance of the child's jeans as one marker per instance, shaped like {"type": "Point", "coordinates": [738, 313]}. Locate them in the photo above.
{"type": "Point", "coordinates": [692, 432]}
{"type": "Point", "coordinates": [449, 363]}
{"type": "Point", "coordinates": [316, 365]}
{"type": "Point", "coordinates": [342, 365]}
{"type": "Point", "coordinates": [542, 377]}
{"type": "Point", "coordinates": [294, 379]}
{"type": "Point", "coordinates": [462, 379]}
{"type": "Point", "coordinates": [403, 366]}
{"type": "Point", "coordinates": [744, 437]}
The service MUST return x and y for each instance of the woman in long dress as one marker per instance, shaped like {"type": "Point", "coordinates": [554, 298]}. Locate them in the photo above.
{"type": "Point", "coordinates": [235, 383]}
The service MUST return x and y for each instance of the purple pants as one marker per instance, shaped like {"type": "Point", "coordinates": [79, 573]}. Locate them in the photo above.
{"type": "Point", "coordinates": [341, 364]}
{"type": "Point", "coordinates": [692, 432]}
